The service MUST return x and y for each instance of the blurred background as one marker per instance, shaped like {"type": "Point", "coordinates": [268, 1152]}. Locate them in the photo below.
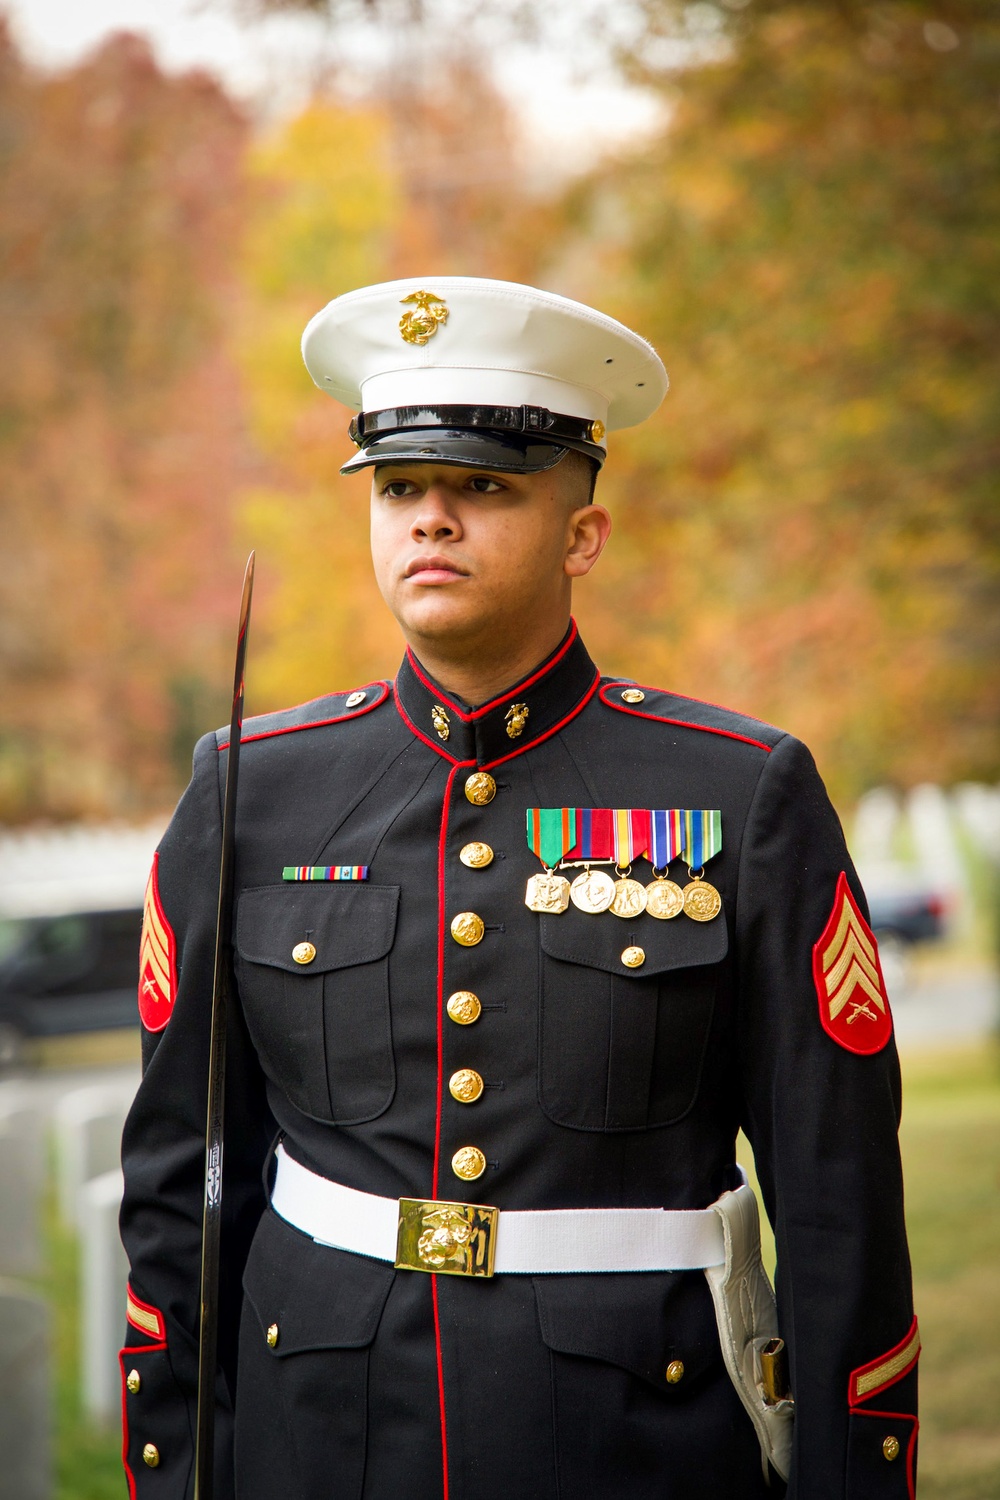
{"type": "Point", "coordinates": [798, 202]}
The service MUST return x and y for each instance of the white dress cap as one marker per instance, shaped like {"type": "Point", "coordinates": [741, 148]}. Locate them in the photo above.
{"type": "Point", "coordinates": [420, 345]}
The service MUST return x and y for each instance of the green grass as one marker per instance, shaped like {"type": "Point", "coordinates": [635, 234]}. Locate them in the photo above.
{"type": "Point", "coordinates": [951, 1151]}
{"type": "Point", "coordinates": [88, 1462]}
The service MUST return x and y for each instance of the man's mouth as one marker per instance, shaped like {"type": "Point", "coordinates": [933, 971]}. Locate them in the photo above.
{"type": "Point", "coordinates": [433, 569]}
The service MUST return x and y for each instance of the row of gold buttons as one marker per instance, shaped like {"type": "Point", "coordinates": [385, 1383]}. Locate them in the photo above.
{"type": "Point", "coordinates": [463, 1007]}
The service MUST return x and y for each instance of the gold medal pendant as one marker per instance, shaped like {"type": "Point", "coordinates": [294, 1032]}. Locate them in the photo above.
{"type": "Point", "coordinates": [547, 893]}
{"type": "Point", "coordinates": [702, 901]}
{"type": "Point", "coordinates": [592, 892]}
{"type": "Point", "coordinates": [664, 899]}
{"type": "Point", "coordinates": [629, 898]}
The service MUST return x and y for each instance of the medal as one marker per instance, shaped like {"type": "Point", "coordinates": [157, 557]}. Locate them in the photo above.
{"type": "Point", "coordinates": [550, 831]}
{"type": "Point", "coordinates": [629, 898]}
{"type": "Point", "coordinates": [702, 901]}
{"type": "Point", "coordinates": [592, 892]}
{"type": "Point", "coordinates": [664, 899]}
{"type": "Point", "coordinates": [547, 893]}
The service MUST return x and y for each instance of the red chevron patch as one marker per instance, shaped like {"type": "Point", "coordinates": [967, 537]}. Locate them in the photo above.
{"type": "Point", "coordinates": [157, 958]}
{"type": "Point", "coordinates": [853, 1002]}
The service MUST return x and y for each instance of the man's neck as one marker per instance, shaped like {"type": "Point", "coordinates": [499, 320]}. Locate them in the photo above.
{"type": "Point", "coordinates": [477, 679]}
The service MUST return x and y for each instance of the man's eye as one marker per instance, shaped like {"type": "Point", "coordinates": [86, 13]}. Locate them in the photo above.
{"type": "Point", "coordinates": [397, 488]}
{"type": "Point", "coordinates": [484, 485]}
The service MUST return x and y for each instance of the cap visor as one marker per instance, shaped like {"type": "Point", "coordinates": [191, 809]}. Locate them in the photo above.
{"type": "Point", "coordinates": [505, 452]}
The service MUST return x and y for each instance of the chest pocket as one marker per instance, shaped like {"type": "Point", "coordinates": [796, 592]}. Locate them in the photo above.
{"type": "Point", "coordinates": [622, 1048]}
{"type": "Point", "coordinates": [322, 1029]}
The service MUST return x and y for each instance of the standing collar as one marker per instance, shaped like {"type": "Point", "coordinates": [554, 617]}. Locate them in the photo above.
{"type": "Point", "coordinates": [526, 713]}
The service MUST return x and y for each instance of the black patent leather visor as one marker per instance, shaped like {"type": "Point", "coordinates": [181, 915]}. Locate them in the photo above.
{"type": "Point", "coordinates": [505, 452]}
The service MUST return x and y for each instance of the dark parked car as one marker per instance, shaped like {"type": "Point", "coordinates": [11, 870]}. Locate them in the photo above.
{"type": "Point", "coordinates": [905, 910]}
{"type": "Point", "coordinates": [70, 973]}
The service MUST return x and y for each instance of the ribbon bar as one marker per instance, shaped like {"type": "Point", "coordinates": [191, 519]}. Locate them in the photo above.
{"type": "Point", "coordinates": [325, 872]}
{"type": "Point", "coordinates": [624, 834]}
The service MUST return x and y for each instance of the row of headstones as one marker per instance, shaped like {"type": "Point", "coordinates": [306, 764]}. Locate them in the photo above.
{"type": "Point", "coordinates": [86, 1125]}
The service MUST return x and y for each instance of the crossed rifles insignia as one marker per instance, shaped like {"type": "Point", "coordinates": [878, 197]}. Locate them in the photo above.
{"type": "Point", "coordinates": [853, 1002]}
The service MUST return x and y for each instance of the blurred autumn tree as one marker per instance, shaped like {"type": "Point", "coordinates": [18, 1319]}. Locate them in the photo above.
{"type": "Point", "coordinates": [807, 530]}
{"type": "Point", "coordinates": [120, 426]}
{"type": "Point", "coordinates": [810, 528]}
{"type": "Point", "coordinates": [419, 182]}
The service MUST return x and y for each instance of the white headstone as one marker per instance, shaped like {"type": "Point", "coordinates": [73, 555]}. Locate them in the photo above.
{"type": "Point", "coordinates": [25, 1396]}
{"type": "Point", "coordinates": [22, 1180]}
{"type": "Point", "coordinates": [103, 1279]}
{"type": "Point", "coordinates": [88, 1127]}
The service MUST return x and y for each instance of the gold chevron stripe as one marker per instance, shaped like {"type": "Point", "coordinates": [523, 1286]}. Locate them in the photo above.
{"type": "Point", "coordinates": [154, 945]}
{"type": "Point", "coordinates": [150, 1322]}
{"type": "Point", "coordinates": [847, 920]}
{"type": "Point", "coordinates": [856, 979]}
{"type": "Point", "coordinates": [851, 951]}
{"type": "Point", "coordinates": [889, 1368]}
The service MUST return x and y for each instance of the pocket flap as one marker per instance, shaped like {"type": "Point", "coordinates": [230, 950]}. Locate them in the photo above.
{"type": "Point", "coordinates": [347, 924]}
{"type": "Point", "coordinates": [316, 1297]}
{"type": "Point", "coordinates": [599, 941]}
{"type": "Point", "coordinates": [645, 1322]}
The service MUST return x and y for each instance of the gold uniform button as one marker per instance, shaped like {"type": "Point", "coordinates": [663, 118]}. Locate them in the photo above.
{"type": "Point", "coordinates": [467, 929]}
{"type": "Point", "coordinates": [476, 856]}
{"type": "Point", "coordinates": [891, 1448]}
{"type": "Point", "coordinates": [480, 788]}
{"type": "Point", "coordinates": [355, 700]}
{"type": "Point", "coordinates": [675, 1371]}
{"type": "Point", "coordinates": [633, 958]}
{"type": "Point", "coordinates": [151, 1456]}
{"type": "Point", "coordinates": [133, 1381]}
{"type": "Point", "coordinates": [463, 1007]}
{"type": "Point", "coordinates": [304, 953]}
{"type": "Point", "coordinates": [633, 695]}
{"type": "Point", "coordinates": [468, 1163]}
{"type": "Point", "coordinates": [272, 1336]}
{"type": "Point", "coordinates": [466, 1085]}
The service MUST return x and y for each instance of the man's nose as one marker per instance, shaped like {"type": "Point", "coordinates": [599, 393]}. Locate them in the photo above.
{"type": "Point", "coordinates": [434, 519]}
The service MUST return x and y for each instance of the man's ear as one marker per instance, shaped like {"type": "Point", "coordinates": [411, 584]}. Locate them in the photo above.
{"type": "Point", "coordinates": [589, 530]}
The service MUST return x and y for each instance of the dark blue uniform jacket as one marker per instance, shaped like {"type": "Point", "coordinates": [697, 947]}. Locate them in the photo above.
{"type": "Point", "coordinates": [605, 1086]}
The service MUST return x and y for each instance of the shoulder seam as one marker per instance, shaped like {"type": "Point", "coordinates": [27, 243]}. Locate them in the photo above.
{"type": "Point", "coordinates": [267, 734]}
{"type": "Point", "coordinates": [636, 713]}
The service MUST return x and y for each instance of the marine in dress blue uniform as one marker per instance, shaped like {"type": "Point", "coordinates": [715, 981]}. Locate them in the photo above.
{"type": "Point", "coordinates": [409, 1029]}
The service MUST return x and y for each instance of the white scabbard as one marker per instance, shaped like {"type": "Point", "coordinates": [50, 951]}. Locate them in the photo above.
{"type": "Point", "coordinates": [747, 1317]}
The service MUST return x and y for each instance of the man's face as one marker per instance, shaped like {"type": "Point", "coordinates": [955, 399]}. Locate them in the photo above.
{"type": "Point", "coordinates": [462, 554]}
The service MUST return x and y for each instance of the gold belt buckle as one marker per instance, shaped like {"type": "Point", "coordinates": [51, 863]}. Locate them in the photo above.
{"type": "Point", "coordinates": [452, 1239]}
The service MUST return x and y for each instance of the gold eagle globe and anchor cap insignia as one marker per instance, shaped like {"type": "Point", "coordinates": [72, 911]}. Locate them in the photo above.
{"type": "Point", "coordinates": [417, 327]}
{"type": "Point", "coordinates": [475, 372]}
{"type": "Point", "coordinates": [515, 719]}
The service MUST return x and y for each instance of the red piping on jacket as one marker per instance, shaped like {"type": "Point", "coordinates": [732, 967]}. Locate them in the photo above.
{"type": "Point", "coordinates": [269, 734]}
{"type": "Point", "coordinates": [484, 708]}
{"type": "Point", "coordinates": [130, 1349]}
{"type": "Point", "coordinates": [854, 1398]}
{"type": "Point", "coordinates": [550, 732]}
{"type": "Point", "coordinates": [899, 1416]}
{"type": "Point", "coordinates": [419, 732]}
{"type": "Point", "coordinates": [729, 734]}
{"type": "Point", "coordinates": [442, 850]}
{"type": "Point", "coordinates": [520, 749]}
{"type": "Point", "coordinates": [440, 1369]}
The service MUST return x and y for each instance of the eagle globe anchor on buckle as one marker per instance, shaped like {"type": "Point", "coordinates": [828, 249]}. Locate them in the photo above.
{"type": "Point", "coordinates": [451, 1239]}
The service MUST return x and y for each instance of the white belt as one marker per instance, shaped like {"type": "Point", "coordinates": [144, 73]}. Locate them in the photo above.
{"type": "Point", "coordinates": [460, 1239]}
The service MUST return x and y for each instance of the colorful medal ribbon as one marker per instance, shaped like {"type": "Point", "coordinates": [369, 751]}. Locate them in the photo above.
{"type": "Point", "coordinates": [630, 829]}
{"type": "Point", "coordinates": [595, 836]}
{"type": "Point", "coordinates": [702, 836]}
{"type": "Point", "coordinates": [666, 835]}
{"type": "Point", "coordinates": [325, 872]}
{"type": "Point", "coordinates": [551, 831]}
